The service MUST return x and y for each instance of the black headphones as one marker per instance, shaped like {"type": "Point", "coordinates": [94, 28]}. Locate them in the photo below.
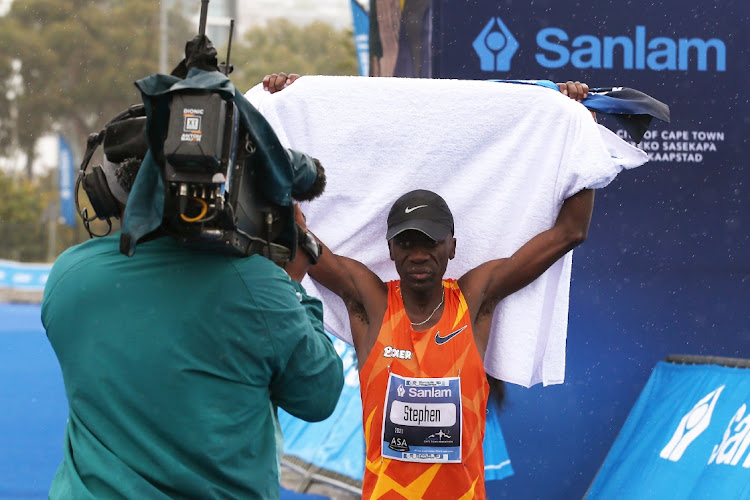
{"type": "Point", "coordinates": [117, 147]}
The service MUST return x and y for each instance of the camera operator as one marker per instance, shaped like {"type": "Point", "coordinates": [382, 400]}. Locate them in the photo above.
{"type": "Point", "coordinates": [174, 362]}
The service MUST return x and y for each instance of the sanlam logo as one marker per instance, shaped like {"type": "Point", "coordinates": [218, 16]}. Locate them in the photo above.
{"type": "Point", "coordinates": [692, 425]}
{"type": "Point", "coordinates": [555, 48]}
{"type": "Point", "coordinates": [495, 46]}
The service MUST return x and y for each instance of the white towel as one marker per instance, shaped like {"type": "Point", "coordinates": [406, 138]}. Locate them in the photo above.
{"type": "Point", "coordinates": [504, 156]}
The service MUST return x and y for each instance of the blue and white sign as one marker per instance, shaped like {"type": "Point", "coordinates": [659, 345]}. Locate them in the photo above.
{"type": "Point", "coordinates": [23, 276]}
{"type": "Point", "coordinates": [539, 36]}
{"type": "Point", "coordinates": [556, 49]}
{"type": "Point", "coordinates": [361, 31]}
{"type": "Point", "coordinates": [688, 436]}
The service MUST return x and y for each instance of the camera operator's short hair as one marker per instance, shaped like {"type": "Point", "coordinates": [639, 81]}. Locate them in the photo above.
{"type": "Point", "coordinates": [126, 172]}
{"type": "Point", "coordinates": [121, 176]}
{"type": "Point", "coordinates": [317, 187]}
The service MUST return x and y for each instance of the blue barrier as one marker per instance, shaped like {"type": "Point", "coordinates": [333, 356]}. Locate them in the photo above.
{"type": "Point", "coordinates": [686, 437]}
{"type": "Point", "coordinates": [23, 276]}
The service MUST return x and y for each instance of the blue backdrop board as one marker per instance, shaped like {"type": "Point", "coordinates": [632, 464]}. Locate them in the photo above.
{"type": "Point", "coordinates": [666, 266]}
{"type": "Point", "coordinates": [686, 437]}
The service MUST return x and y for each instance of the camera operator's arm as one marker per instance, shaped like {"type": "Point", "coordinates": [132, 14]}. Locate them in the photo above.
{"type": "Point", "coordinates": [297, 269]}
{"type": "Point", "coordinates": [308, 372]}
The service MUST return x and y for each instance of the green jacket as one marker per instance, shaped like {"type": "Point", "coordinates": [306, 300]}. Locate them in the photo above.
{"type": "Point", "coordinates": [173, 362]}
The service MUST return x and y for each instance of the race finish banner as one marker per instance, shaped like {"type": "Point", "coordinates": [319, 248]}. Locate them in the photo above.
{"type": "Point", "coordinates": [687, 436]}
{"type": "Point", "coordinates": [665, 265]}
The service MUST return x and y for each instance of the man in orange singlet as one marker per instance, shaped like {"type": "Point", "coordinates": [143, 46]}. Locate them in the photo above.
{"type": "Point", "coordinates": [420, 342]}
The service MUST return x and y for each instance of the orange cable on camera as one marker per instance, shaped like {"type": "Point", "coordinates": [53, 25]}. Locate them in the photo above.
{"type": "Point", "coordinates": [204, 210]}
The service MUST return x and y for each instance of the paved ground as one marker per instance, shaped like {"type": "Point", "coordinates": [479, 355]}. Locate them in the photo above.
{"type": "Point", "coordinates": [14, 295]}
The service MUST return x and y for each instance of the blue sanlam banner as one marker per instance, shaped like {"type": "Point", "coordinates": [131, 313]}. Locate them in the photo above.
{"type": "Point", "coordinates": [66, 183]}
{"type": "Point", "coordinates": [687, 436]}
{"type": "Point", "coordinates": [665, 267]}
{"type": "Point", "coordinates": [474, 39]}
{"type": "Point", "coordinates": [361, 28]}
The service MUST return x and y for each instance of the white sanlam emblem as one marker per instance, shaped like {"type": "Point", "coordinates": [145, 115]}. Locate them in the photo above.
{"type": "Point", "coordinates": [691, 426]}
{"type": "Point", "coordinates": [409, 210]}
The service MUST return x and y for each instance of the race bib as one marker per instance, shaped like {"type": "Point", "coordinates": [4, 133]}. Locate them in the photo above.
{"type": "Point", "coordinates": [422, 419]}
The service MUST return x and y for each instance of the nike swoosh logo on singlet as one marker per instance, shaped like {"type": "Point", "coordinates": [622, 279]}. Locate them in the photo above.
{"type": "Point", "coordinates": [442, 340]}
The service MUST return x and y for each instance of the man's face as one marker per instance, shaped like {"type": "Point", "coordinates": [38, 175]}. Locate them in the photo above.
{"type": "Point", "coordinates": [420, 260]}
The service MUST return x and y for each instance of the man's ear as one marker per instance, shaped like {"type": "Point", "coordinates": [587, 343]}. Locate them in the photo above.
{"type": "Point", "coordinates": [452, 253]}
{"type": "Point", "coordinates": [390, 249]}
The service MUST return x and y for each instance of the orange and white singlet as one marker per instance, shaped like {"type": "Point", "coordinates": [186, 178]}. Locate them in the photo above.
{"type": "Point", "coordinates": [424, 399]}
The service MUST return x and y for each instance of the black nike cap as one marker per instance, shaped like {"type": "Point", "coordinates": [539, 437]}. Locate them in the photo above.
{"type": "Point", "coordinates": [423, 211]}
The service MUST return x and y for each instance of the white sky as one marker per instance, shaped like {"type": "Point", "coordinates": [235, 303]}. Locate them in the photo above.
{"type": "Point", "coordinates": [47, 148]}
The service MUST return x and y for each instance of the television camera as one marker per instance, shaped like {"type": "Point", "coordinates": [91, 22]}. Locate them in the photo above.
{"type": "Point", "coordinates": [216, 156]}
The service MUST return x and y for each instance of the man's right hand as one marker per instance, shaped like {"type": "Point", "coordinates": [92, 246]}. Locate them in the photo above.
{"type": "Point", "coordinates": [275, 82]}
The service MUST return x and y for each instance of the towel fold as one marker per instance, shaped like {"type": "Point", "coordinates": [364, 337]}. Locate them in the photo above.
{"type": "Point", "coordinates": [503, 156]}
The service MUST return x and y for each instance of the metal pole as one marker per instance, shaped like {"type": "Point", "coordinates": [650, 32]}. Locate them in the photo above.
{"type": "Point", "coordinates": [229, 47]}
{"type": "Point", "coordinates": [204, 16]}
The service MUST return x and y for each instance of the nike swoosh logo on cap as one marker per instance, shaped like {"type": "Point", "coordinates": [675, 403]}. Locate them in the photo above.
{"type": "Point", "coordinates": [442, 340]}
{"type": "Point", "coordinates": [409, 210]}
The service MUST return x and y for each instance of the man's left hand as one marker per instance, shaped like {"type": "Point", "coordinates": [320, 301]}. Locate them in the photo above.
{"type": "Point", "coordinates": [575, 90]}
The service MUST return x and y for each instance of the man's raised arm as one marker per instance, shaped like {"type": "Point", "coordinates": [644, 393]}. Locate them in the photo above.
{"type": "Point", "coordinates": [363, 292]}
{"type": "Point", "coordinates": [487, 284]}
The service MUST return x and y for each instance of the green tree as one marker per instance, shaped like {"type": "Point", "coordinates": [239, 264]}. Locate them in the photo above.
{"type": "Point", "coordinates": [22, 199]}
{"type": "Point", "coordinates": [317, 48]}
{"type": "Point", "coordinates": [69, 67]}
{"type": "Point", "coordinates": [20, 213]}
{"type": "Point", "coordinates": [77, 61]}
